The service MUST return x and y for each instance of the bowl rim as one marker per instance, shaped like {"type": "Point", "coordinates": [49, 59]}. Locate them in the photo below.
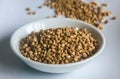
{"type": "Point", "coordinates": [58, 65]}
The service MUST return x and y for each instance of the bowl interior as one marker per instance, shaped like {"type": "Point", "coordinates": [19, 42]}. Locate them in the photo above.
{"type": "Point", "coordinates": [52, 23]}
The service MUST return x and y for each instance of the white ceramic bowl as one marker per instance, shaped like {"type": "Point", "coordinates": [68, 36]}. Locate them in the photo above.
{"type": "Point", "coordinates": [55, 23]}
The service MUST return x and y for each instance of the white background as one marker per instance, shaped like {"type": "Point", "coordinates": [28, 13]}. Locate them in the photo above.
{"type": "Point", "coordinates": [13, 16]}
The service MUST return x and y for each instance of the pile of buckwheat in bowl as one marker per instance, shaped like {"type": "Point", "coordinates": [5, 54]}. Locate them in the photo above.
{"type": "Point", "coordinates": [59, 45]}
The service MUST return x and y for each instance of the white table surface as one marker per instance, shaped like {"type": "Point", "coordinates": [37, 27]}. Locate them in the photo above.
{"type": "Point", "coordinates": [13, 15]}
